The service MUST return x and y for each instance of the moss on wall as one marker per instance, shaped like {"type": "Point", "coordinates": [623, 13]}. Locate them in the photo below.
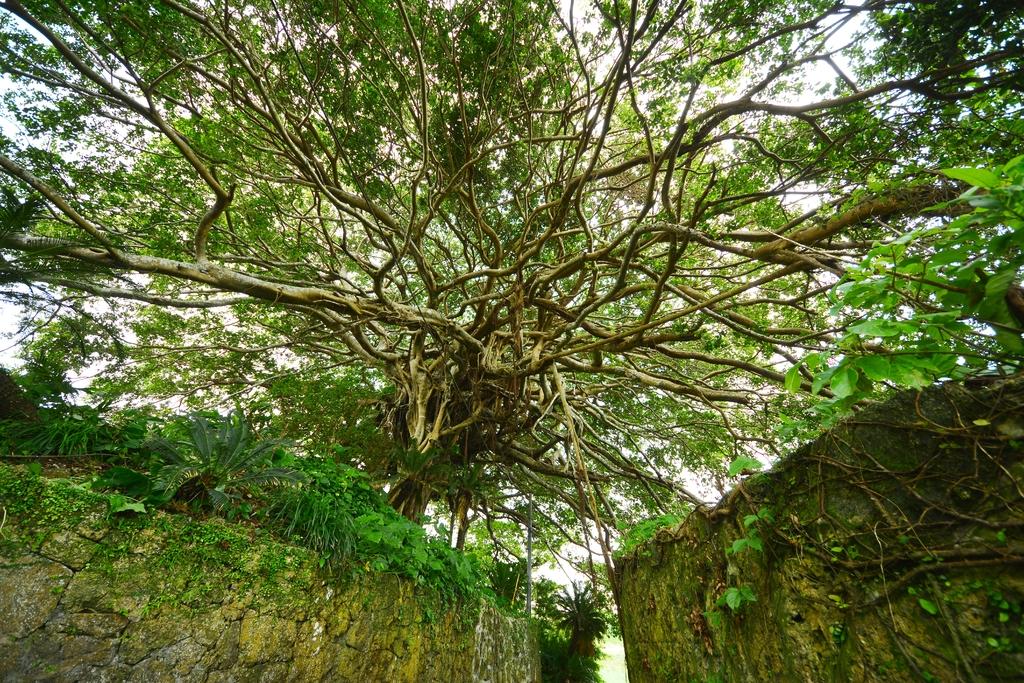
{"type": "Point", "coordinates": [891, 549]}
{"type": "Point", "coordinates": [87, 596]}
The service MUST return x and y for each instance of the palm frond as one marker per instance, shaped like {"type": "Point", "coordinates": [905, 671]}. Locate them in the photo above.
{"type": "Point", "coordinates": [199, 433]}
{"type": "Point", "coordinates": [17, 215]}
{"type": "Point", "coordinates": [166, 450]}
{"type": "Point", "coordinates": [222, 461]}
{"type": "Point", "coordinates": [170, 478]}
{"type": "Point", "coordinates": [235, 433]}
{"type": "Point", "coordinates": [274, 476]}
{"type": "Point", "coordinates": [219, 498]}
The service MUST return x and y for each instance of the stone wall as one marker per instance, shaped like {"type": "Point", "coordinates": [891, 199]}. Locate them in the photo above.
{"type": "Point", "coordinates": [86, 597]}
{"type": "Point", "coordinates": [891, 550]}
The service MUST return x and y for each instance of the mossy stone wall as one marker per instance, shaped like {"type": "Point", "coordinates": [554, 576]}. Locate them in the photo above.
{"type": "Point", "coordinates": [895, 553]}
{"type": "Point", "coordinates": [86, 597]}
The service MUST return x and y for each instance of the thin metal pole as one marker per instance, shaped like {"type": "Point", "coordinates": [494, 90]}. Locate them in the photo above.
{"type": "Point", "coordinates": [529, 557]}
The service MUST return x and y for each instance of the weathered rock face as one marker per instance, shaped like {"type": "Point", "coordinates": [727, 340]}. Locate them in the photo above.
{"type": "Point", "coordinates": [163, 598]}
{"type": "Point", "coordinates": [891, 550]}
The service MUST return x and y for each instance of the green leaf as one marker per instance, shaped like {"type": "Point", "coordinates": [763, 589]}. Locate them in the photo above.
{"type": "Point", "coordinates": [844, 382]}
{"type": "Point", "coordinates": [118, 503]}
{"type": "Point", "coordinates": [126, 480]}
{"type": "Point", "coordinates": [943, 318]}
{"type": "Point", "coordinates": [1011, 341]}
{"type": "Point", "coordinates": [910, 371]}
{"type": "Point", "coordinates": [741, 463]}
{"type": "Point", "coordinates": [793, 379]}
{"type": "Point", "coordinates": [928, 606]}
{"type": "Point", "coordinates": [821, 379]}
{"type": "Point", "coordinates": [879, 328]}
{"type": "Point", "coordinates": [979, 177]}
{"type": "Point", "coordinates": [997, 285]}
{"type": "Point", "coordinates": [984, 202]}
{"type": "Point", "coordinates": [875, 368]}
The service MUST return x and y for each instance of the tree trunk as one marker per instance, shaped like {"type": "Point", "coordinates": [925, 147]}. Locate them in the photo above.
{"type": "Point", "coordinates": [14, 405]}
{"type": "Point", "coordinates": [460, 517]}
{"type": "Point", "coordinates": [410, 498]}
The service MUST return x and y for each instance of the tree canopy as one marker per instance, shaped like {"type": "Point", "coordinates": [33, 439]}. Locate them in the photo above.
{"type": "Point", "coordinates": [570, 249]}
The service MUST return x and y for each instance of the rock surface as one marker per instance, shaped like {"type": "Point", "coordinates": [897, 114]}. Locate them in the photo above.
{"type": "Point", "coordinates": [169, 599]}
{"type": "Point", "coordinates": [891, 549]}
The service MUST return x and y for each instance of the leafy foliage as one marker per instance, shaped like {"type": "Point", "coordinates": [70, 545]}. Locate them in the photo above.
{"type": "Point", "coordinates": [559, 666]}
{"type": "Point", "coordinates": [569, 620]}
{"type": "Point", "coordinates": [582, 613]}
{"type": "Point", "coordinates": [62, 427]}
{"type": "Point", "coordinates": [75, 431]}
{"type": "Point", "coordinates": [941, 301]}
{"type": "Point", "coordinates": [734, 597]}
{"type": "Point", "coordinates": [17, 215]}
{"type": "Point", "coordinates": [508, 582]}
{"type": "Point", "coordinates": [215, 463]}
{"type": "Point", "coordinates": [219, 463]}
{"type": "Point", "coordinates": [340, 515]}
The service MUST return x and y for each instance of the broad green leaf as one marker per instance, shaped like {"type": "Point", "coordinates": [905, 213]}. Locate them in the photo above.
{"type": "Point", "coordinates": [118, 503]}
{"type": "Point", "coordinates": [821, 379]}
{"type": "Point", "coordinates": [909, 371]}
{"type": "Point", "coordinates": [880, 328]}
{"type": "Point", "coordinates": [1011, 341]}
{"type": "Point", "coordinates": [875, 368]}
{"type": "Point", "coordinates": [997, 284]}
{"type": "Point", "coordinates": [741, 463]}
{"type": "Point", "coordinates": [980, 177]}
{"type": "Point", "coordinates": [985, 202]}
{"type": "Point", "coordinates": [844, 382]}
{"type": "Point", "coordinates": [793, 379]}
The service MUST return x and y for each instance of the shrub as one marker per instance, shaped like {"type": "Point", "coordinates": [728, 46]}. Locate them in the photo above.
{"type": "Point", "coordinates": [341, 516]}
{"type": "Point", "coordinates": [75, 430]}
{"type": "Point", "coordinates": [558, 665]}
{"type": "Point", "coordinates": [569, 624]}
{"type": "Point", "coordinates": [219, 463]}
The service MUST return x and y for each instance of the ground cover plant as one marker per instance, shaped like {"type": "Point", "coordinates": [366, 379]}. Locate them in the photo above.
{"type": "Point", "coordinates": [209, 464]}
